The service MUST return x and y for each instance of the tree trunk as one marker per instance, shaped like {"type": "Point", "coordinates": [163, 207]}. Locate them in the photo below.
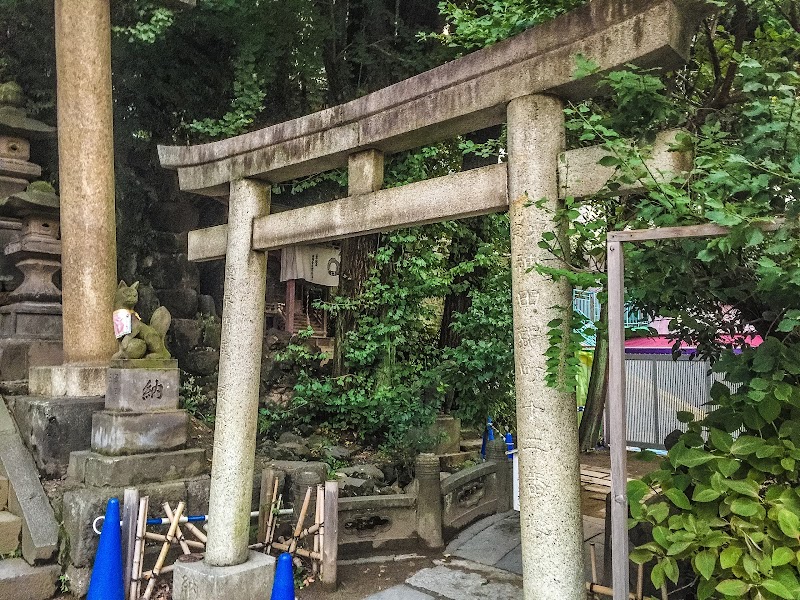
{"type": "Point", "coordinates": [592, 421]}
{"type": "Point", "coordinates": [358, 257]}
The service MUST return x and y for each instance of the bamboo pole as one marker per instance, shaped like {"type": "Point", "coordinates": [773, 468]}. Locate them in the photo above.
{"type": "Point", "coordinates": [164, 550]}
{"type": "Point", "coordinates": [149, 574]}
{"type": "Point", "coordinates": [298, 551]}
{"type": "Point", "coordinates": [593, 561]}
{"type": "Point", "coordinates": [157, 537]}
{"type": "Point", "coordinates": [321, 534]}
{"type": "Point", "coordinates": [268, 476]}
{"type": "Point", "coordinates": [138, 551]}
{"type": "Point", "coordinates": [299, 527]}
{"type": "Point", "coordinates": [274, 527]}
{"type": "Point", "coordinates": [181, 540]}
{"type": "Point", "coordinates": [272, 514]}
{"type": "Point", "coordinates": [197, 533]}
{"type": "Point", "coordinates": [130, 526]}
{"type": "Point", "coordinates": [318, 524]}
{"type": "Point", "coordinates": [595, 588]}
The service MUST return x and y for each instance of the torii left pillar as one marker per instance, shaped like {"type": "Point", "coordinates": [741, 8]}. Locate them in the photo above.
{"type": "Point", "coordinates": [230, 569]}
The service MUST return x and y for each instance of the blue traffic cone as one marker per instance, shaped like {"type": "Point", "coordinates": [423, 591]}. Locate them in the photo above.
{"type": "Point", "coordinates": [283, 588]}
{"type": "Point", "coordinates": [106, 582]}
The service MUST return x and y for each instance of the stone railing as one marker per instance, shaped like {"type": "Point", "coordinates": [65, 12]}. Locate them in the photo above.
{"type": "Point", "coordinates": [435, 511]}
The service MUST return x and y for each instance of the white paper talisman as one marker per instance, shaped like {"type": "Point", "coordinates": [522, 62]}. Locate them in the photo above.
{"type": "Point", "coordinates": [122, 322]}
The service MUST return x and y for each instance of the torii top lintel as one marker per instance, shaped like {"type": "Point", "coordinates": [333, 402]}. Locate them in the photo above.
{"type": "Point", "coordinates": [463, 95]}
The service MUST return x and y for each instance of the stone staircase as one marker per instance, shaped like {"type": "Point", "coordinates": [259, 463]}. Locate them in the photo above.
{"type": "Point", "coordinates": [28, 528]}
{"type": "Point", "coordinates": [302, 321]}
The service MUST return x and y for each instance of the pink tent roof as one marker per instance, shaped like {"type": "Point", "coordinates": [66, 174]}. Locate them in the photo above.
{"type": "Point", "coordinates": [663, 344]}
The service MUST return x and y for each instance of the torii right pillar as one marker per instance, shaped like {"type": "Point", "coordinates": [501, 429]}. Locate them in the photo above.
{"type": "Point", "coordinates": [550, 503]}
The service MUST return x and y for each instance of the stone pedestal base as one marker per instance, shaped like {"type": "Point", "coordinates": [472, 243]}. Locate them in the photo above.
{"type": "Point", "coordinates": [249, 581]}
{"type": "Point", "coordinates": [31, 320]}
{"type": "Point", "coordinates": [99, 470]}
{"type": "Point", "coordinates": [17, 356]}
{"type": "Point", "coordinates": [51, 428]}
{"type": "Point", "coordinates": [67, 380]}
{"type": "Point", "coordinates": [142, 385]}
{"type": "Point", "coordinates": [136, 432]}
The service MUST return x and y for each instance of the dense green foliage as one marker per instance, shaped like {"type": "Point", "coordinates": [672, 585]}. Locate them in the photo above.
{"type": "Point", "coordinates": [399, 373]}
{"type": "Point", "coordinates": [727, 498]}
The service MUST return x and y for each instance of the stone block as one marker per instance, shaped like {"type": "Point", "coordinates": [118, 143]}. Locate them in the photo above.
{"type": "Point", "coordinates": [175, 217]}
{"type": "Point", "coordinates": [198, 491]}
{"type": "Point", "coordinates": [17, 356]}
{"type": "Point", "coordinates": [10, 530]}
{"type": "Point", "coordinates": [78, 580]}
{"type": "Point", "coordinates": [293, 467]}
{"type": "Point", "coordinates": [52, 428]}
{"type": "Point", "coordinates": [447, 433]}
{"type": "Point", "coordinates": [183, 335]}
{"type": "Point", "coordinates": [171, 242]}
{"type": "Point", "coordinates": [201, 361]}
{"type": "Point", "coordinates": [171, 271]}
{"type": "Point", "coordinates": [137, 469]}
{"type": "Point", "coordinates": [212, 334]}
{"type": "Point", "coordinates": [181, 302]}
{"type": "Point", "coordinates": [76, 470]}
{"type": "Point", "coordinates": [7, 424]}
{"type": "Point", "coordinates": [132, 433]}
{"type": "Point", "coordinates": [20, 581]}
{"type": "Point", "coordinates": [67, 380]}
{"type": "Point", "coordinates": [27, 499]}
{"type": "Point", "coordinates": [142, 389]}
{"type": "Point", "coordinates": [31, 320]}
{"type": "Point", "coordinates": [3, 493]}
{"type": "Point", "coordinates": [199, 581]}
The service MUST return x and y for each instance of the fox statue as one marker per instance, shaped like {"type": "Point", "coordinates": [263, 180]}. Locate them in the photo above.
{"type": "Point", "coordinates": [143, 341]}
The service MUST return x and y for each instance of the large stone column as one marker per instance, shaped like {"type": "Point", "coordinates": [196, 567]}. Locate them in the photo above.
{"type": "Point", "coordinates": [550, 507]}
{"type": "Point", "coordinates": [239, 369]}
{"type": "Point", "coordinates": [86, 175]}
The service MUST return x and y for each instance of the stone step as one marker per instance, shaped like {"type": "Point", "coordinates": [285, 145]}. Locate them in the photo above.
{"type": "Point", "coordinates": [20, 581]}
{"type": "Point", "coordinates": [10, 530]}
{"type": "Point", "coordinates": [471, 444]}
{"type": "Point", "coordinates": [3, 493]}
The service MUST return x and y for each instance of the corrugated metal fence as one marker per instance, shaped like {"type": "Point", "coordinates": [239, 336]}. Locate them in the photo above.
{"type": "Point", "coordinates": [657, 387]}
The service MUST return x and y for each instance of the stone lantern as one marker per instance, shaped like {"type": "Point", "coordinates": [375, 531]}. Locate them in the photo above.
{"type": "Point", "coordinates": [30, 325]}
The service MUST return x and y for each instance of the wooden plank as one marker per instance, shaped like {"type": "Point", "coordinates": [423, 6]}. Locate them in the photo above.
{"type": "Point", "coordinates": [604, 473]}
{"type": "Point", "coordinates": [603, 489]}
{"type": "Point", "coordinates": [617, 419]}
{"type": "Point", "coordinates": [130, 517]}
{"type": "Point", "coordinates": [687, 231]}
{"type": "Point", "coordinates": [604, 482]}
{"type": "Point", "coordinates": [330, 540]}
{"type": "Point", "coordinates": [593, 469]}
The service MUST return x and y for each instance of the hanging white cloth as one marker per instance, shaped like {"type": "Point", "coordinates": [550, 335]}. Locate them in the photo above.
{"type": "Point", "coordinates": [316, 264]}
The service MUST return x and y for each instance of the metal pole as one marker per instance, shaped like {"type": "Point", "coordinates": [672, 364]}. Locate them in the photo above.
{"type": "Point", "coordinates": [617, 419]}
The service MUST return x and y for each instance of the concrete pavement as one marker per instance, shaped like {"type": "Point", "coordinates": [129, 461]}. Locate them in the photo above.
{"type": "Point", "coordinates": [484, 562]}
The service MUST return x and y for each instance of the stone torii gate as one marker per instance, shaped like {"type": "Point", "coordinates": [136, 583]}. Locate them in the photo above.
{"type": "Point", "coordinates": [522, 82]}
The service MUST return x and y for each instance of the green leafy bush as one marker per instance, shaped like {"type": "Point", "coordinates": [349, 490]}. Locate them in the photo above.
{"type": "Point", "coordinates": [727, 499]}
